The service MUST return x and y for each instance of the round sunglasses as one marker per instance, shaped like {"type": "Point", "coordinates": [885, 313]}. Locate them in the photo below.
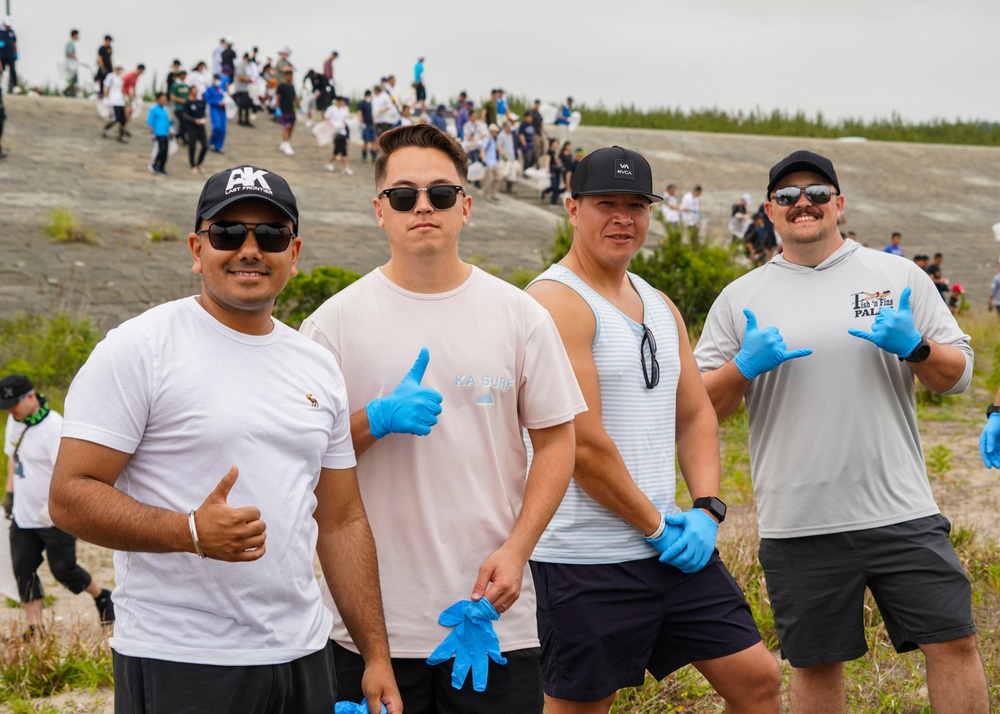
{"type": "Point", "coordinates": [231, 235]}
{"type": "Point", "coordinates": [817, 195]}
{"type": "Point", "coordinates": [404, 198]}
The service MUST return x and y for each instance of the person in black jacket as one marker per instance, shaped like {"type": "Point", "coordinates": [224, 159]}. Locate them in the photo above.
{"type": "Point", "coordinates": [193, 122]}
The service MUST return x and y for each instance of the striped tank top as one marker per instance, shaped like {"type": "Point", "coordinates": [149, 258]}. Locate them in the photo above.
{"type": "Point", "coordinates": [639, 420]}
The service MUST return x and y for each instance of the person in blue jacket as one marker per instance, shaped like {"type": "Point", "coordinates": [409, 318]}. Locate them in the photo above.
{"type": "Point", "coordinates": [159, 123]}
{"type": "Point", "coordinates": [215, 98]}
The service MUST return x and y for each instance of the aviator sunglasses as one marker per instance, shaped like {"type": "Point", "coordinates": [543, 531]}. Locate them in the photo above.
{"type": "Point", "coordinates": [404, 198]}
{"type": "Point", "coordinates": [230, 235]}
{"type": "Point", "coordinates": [817, 195]}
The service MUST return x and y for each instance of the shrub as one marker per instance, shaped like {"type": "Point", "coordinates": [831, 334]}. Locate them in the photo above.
{"type": "Point", "coordinates": [163, 232]}
{"type": "Point", "coordinates": [63, 227]}
{"type": "Point", "coordinates": [307, 291]}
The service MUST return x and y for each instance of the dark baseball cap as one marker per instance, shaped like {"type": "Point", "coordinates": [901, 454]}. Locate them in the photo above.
{"type": "Point", "coordinates": [242, 182]}
{"type": "Point", "coordinates": [802, 161]}
{"type": "Point", "coordinates": [614, 170]}
{"type": "Point", "coordinates": [12, 388]}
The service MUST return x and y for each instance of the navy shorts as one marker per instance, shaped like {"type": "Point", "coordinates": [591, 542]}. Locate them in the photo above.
{"type": "Point", "coordinates": [817, 586]}
{"type": "Point", "coordinates": [368, 134]}
{"type": "Point", "coordinates": [602, 626]}
{"type": "Point", "coordinates": [512, 688]}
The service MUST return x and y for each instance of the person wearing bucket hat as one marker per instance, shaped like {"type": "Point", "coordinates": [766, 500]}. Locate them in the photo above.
{"type": "Point", "coordinates": [210, 446]}
{"type": "Point", "coordinates": [619, 541]}
{"type": "Point", "coordinates": [843, 502]}
{"type": "Point", "coordinates": [31, 442]}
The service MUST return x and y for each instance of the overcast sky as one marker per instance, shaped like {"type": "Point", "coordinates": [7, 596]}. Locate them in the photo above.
{"type": "Point", "coordinates": [923, 59]}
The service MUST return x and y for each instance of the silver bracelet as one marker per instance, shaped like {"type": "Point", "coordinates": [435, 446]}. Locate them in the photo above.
{"type": "Point", "coordinates": [194, 536]}
{"type": "Point", "coordinates": [659, 531]}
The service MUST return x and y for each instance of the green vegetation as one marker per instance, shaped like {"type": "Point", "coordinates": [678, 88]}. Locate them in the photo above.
{"type": "Point", "coordinates": [307, 291]}
{"type": "Point", "coordinates": [48, 664]}
{"type": "Point", "coordinates": [64, 227]}
{"type": "Point", "coordinates": [163, 232]}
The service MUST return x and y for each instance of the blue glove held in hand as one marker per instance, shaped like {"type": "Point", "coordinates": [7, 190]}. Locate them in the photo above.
{"type": "Point", "coordinates": [410, 409]}
{"type": "Point", "coordinates": [352, 708]}
{"type": "Point", "coordinates": [893, 330]}
{"type": "Point", "coordinates": [989, 442]}
{"type": "Point", "coordinates": [762, 350]}
{"type": "Point", "coordinates": [690, 552]}
{"type": "Point", "coordinates": [472, 643]}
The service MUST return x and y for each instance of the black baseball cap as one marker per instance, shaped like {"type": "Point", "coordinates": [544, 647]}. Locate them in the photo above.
{"type": "Point", "coordinates": [243, 182]}
{"type": "Point", "coordinates": [12, 388]}
{"type": "Point", "coordinates": [614, 170]}
{"type": "Point", "coordinates": [802, 161]}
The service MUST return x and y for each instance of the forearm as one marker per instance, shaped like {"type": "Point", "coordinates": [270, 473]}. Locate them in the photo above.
{"type": "Point", "coordinates": [548, 478]}
{"type": "Point", "coordinates": [101, 514]}
{"type": "Point", "coordinates": [350, 565]}
{"type": "Point", "coordinates": [361, 433]}
{"type": "Point", "coordinates": [726, 387]}
{"type": "Point", "coordinates": [698, 454]}
{"type": "Point", "coordinates": [602, 474]}
{"type": "Point", "coordinates": [943, 369]}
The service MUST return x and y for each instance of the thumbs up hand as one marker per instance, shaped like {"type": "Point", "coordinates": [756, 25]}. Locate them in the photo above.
{"type": "Point", "coordinates": [227, 533]}
{"type": "Point", "coordinates": [763, 350]}
{"type": "Point", "coordinates": [410, 409]}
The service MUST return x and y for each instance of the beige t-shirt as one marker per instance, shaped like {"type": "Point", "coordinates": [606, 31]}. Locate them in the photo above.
{"type": "Point", "coordinates": [439, 505]}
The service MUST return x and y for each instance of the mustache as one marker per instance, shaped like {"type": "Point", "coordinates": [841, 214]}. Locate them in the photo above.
{"type": "Point", "coordinates": [804, 211]}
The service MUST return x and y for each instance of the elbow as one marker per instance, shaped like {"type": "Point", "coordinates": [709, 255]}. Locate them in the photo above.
{"type": "Point", "coordinates": [962, 383]}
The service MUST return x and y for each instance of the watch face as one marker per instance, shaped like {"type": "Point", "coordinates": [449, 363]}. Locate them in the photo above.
{"type": "Point", "coordinates": [921, 352]}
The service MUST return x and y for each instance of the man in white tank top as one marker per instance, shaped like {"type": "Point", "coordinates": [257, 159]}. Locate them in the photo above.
{"type": "Point", "coordinates": [626, 582]}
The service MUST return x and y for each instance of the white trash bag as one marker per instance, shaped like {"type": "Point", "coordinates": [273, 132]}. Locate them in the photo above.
{"type": "Point", "coordinates": [477, 171]}
{"type": "Point", "coordinates": [102, 109]}
{"type": "Point", "coordinates": [230, 106]}
{"type": "Point", "coordinates": [323, 131]}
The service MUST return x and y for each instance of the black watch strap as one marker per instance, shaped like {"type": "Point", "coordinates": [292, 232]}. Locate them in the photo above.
{"type": "Point", "coordinates": [713, 505]}
{"type": "Point", "coordinates": [991, 410]}
{"type": "Point", "coordinates": [921, 352]}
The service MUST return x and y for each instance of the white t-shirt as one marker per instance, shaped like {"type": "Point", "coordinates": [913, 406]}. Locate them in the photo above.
{"type": "Point", "coordinates": [36, 457]}
{"type": "Point", "coordinates": [337, 116]}
{"type": "Point", "coordinates": [440, 504]}
{"type": "Point", "coordinates": [383, 109]}
{"type": "Point", "coordinates": [201, 80]}
{"type": "Point", "coordinates": [691, 208]}
{"type": "Point", "coordinates": [188, 397]}
{"type": "Point", "coordinates": [834, 444]}
{"type": "Point", "coordinates": [113, 90]}
{"type": "Point", "coordinates": [671, 209]}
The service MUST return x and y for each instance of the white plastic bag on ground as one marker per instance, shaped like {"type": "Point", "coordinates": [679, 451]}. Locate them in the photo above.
{"type": "Point", "coordinates": [323, 131]}
{"type": "Point", "coordinates": [477, 171]}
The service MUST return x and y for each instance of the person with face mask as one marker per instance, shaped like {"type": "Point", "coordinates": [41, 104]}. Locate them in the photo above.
{"type": "Point", "coordinates": [215, 98]}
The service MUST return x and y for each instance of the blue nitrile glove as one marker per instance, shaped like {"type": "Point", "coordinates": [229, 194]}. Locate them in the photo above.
{"type": "Point", "coordinates": [762, 350]}
{"type": "Point", "coordinates": [893, 330]}
{"type": "Point", "coordinates": [472, 643]}
{"type": "Point", "coordinates": [989, 442]}
{"type": "Point", "coordinates": [690, 552]}
{"type": "Point", "coordinates": [667, 538]}
{"type": "Point", "coordinates": [410, 409]}
{"type": "Point", "coordinates": [352, 708]}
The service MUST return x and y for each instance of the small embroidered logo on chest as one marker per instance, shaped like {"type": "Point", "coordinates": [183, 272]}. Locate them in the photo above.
{"type": "Point", "coordinates": [312, 400]}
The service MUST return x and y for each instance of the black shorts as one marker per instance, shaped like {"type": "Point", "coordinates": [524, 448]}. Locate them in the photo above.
{"type": "Point", "coordinates": [340, 145]}
{"type": "Point", "coordinates": [602, 626]}
{"type": "Point", "coordinates": [512, 688]}
{"type": "Point", "coordinates": [421, 91]}
{"type": "Point", "coordinates": [817, 584]}
{"type": "Point", "coordinates": [153, 686]}
{"type": "Point", "coordinates": [26, 548]}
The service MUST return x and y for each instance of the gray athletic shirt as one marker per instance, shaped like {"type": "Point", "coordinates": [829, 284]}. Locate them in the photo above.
{"type": "Point", "coordinates": [834, 444]}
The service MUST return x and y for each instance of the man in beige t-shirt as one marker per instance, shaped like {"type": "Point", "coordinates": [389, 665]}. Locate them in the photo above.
{"type": "Point", "coordinates": [441, 461]}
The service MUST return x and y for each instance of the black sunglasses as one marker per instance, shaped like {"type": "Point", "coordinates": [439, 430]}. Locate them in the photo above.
{"type": "Point", "coordinates": [817, 195]}
{"type": "Point", "coordinates": [230, 235]}
{"type": "Point", "coordinates": [652, 374]}
{"type": "Point", "coordinates": [404, 198]}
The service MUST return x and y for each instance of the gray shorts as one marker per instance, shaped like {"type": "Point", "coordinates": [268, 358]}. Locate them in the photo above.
{"type": "Point", "coordinates": [817, 584]}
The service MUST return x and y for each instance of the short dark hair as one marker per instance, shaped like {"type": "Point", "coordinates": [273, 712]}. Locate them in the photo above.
{"type": "Point", "coordinates": [74, 32]}
{"type": "Point", "coordinates": [697, 188]}
{"type": "Point", "coordinates": [424, 136]}
{"type": "Point", "coordinates": [896, 233]}
{"type": "Point", "coordinates": [107, 38]}
{"type": "Point", "coordinates": [141, 66]}
{"type": "Point", "coordinates": [938, 255]}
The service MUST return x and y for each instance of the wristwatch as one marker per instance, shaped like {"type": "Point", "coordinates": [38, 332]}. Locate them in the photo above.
{"type": "Point", "coordinates": [921, 352]}
{"type": "Point", "coordinates": [991, 410]}
{"type": "Point", "coordinates": [713, 505]}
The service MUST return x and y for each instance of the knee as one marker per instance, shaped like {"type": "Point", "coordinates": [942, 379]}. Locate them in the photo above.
{"type": "Point", "coordinates": [958, 649]}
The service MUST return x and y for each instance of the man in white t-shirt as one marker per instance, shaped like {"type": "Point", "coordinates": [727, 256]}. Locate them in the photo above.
{"type": "Point", "coordinates": [691, 207]}
{"type": "Point", "coordinates": [217, 602]}
{"type": "Point", "coordinates": [843, 501]}
{"type": "Point", "coordinates": [628, 582]}
{"type": "Point", "coordinates": [31, 441]}
{"type": "Point", "coordinates": [441, 458]}
{"type": "Point", "coordinates": [670, 207]}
